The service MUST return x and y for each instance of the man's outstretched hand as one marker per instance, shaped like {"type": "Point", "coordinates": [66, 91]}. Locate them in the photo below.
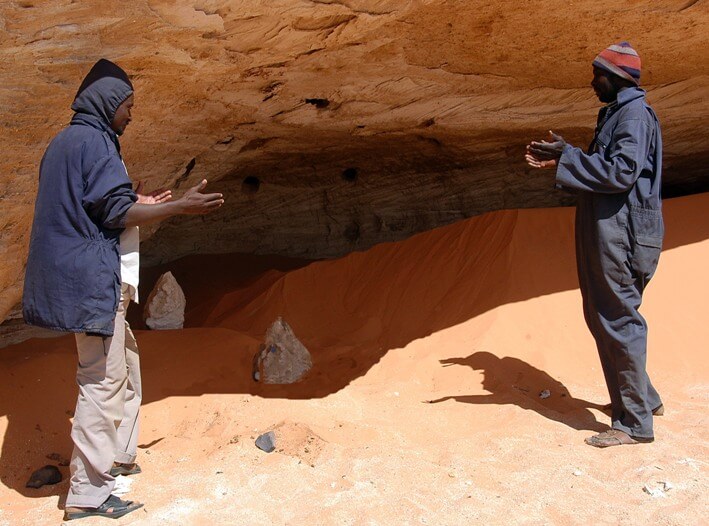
{"type": "Point", "coordinates": [157, 206]}
{"type": "Point", "coordinates": [153, 198]}
{"type": "Point", "coordinates": [195, 202]}
{"type": "Point", "coordinates": [545, 154]}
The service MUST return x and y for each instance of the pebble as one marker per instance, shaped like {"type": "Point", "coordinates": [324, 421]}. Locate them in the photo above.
{"type": "Point", "coordinates": [658, 491]}
{"type": "Point", "coordinates": [266, 442]}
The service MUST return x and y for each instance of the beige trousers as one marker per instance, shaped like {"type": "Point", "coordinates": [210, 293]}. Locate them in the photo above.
{"type": "Point", "coordinates": [105, 428]}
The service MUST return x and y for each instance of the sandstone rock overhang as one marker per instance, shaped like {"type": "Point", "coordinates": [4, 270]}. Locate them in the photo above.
{"type": "Point", "coordinates": [335, 125]}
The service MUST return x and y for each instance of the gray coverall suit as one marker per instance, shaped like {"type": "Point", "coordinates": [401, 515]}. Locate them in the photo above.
{"type": "Point", "coordinates": [619, 231]}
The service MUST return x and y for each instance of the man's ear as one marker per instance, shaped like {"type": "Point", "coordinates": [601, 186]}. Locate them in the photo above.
{"type": "Point", "coordinates": [619, 83]}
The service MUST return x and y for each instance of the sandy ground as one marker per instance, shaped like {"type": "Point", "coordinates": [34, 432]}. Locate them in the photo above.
{"type": "Point", "coordinates": [423, 405]}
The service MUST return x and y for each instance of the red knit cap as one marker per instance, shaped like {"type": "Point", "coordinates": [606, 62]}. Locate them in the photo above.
{"type": "Point", "coordinates": [620, 59]}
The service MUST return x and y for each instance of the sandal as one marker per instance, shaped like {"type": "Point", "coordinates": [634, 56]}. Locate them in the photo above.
{"type": "Point", "coordinates": [112, 508]}
{"type": "Point", "coordinates": [615, 437]}
{"type": "Point", "coordinates": [125, 469]}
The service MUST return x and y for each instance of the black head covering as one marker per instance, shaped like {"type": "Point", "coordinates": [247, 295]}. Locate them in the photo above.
{"type": "Point", "coordinates": [104, 89]}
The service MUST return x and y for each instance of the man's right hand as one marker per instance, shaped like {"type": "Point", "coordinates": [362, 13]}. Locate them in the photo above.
{"type": "Point", "coordinates": [545, 154]}
{"type": "Point", "coordinates": [195, 202]}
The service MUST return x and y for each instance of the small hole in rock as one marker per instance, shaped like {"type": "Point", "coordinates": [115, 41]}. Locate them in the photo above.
{"type": "Point", "coordinates": [350, 174]}
{"type": "Point", "coordinates": [318, 103]}
{"type": "Point", "coordinates": [250, 184]}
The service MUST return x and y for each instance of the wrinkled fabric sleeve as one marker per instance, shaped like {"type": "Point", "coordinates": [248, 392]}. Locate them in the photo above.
{"type": "Point", "coordinates": [108, 193]}
{"type": "Point", "coordinates": [615, 172]}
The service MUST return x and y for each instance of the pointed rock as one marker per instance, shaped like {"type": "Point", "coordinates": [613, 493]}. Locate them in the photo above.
{"type": "Point", "coordinates": [282, 359]}
{"type": "Point", "coordinates": [165, 308]}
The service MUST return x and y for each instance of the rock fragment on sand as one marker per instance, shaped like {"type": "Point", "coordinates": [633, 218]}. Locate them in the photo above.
{"type": "Point", "coordinates": [43, 476]}
{"type": "Point", "coordinates": [266, 442]}
{"type": "Point", "coordinates": [653, 492]}
{"type": "Point", "coordinates": [165, 308]}
{"type": "Point", "coordinates": [282, 359]}
{"type": "Point", "coordinates": [658, 491]}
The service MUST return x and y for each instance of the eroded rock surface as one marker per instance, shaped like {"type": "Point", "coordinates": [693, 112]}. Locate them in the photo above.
{"type": "Point", "coordinates": [165, 308]}
{"type": "Point", "coordinates": [332, 125]}
{"type": "Point", "coordinates": [282, 358]}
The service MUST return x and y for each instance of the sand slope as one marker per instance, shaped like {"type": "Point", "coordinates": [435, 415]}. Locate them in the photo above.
{"type": "Point", "coordinates": [423, 404]}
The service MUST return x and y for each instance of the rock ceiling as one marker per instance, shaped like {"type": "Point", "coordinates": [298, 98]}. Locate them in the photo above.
{"type": "Point", "coordinates": [332, 125]}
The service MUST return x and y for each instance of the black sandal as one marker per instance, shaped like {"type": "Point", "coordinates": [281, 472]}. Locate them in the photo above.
{"type": "Point", "coordinates": [112, 508]}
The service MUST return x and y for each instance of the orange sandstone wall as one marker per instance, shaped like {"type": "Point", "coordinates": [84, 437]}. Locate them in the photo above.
{"type": "Point", "coordinates": [335, 125]}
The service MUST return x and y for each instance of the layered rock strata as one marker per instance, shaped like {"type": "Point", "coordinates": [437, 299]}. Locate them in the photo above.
{"type": "Point", "coordinates": [332, 125]}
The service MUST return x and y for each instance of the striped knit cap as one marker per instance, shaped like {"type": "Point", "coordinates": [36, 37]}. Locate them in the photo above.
{"type": "Point", "coordinates": [620, 59]}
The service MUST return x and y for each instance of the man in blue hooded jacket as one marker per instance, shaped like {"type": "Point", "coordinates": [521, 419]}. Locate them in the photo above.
{"type": "Point", "coordinates": [81, 273]}
{"type": "Point", "coordinates": [619, 231]}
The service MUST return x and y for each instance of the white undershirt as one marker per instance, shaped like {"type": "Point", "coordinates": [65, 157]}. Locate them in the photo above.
{"type": "Point", "coordinates": [130, 260]}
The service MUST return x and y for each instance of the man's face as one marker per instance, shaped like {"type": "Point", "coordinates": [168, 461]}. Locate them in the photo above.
{"type": "Point", "coordinates": [123, 116]}
{"type": "Point", "coordinates": [603, 85]}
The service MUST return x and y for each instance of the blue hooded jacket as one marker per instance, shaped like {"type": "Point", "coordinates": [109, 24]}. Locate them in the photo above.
{"type": "Point", "coordinates": [72, 278]}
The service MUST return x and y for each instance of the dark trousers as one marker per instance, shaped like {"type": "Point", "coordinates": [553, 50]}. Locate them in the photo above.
{"type": "Point", "coordinates": [613, 270]}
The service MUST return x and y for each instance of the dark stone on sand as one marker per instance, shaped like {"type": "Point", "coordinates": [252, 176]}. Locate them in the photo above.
{"type": "Point", "coordinates": [47, 475]}
{"type": "Point", "coordinates": [266, 442]}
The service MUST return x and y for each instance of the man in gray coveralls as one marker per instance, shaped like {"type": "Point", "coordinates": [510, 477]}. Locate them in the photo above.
{"type": "Point", "coordinates": [619, 231]}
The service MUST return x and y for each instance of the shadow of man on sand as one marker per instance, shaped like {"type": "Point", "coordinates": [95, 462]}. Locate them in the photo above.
{"type": "Point", "coordinates": [513, 381]}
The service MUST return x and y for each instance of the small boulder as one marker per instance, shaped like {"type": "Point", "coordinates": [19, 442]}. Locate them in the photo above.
{"type": "Point", "coordinates": [266, 442]}
{"type": "Point", "coordinates": [165, 308]}
{"type": "Point", "coordinates": [47, 475]}
{"type": "Point", "coordinates": [281, 359]}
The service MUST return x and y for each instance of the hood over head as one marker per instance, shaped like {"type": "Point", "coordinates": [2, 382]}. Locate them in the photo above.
{"type": "Point", "coordinates": [103, 90]}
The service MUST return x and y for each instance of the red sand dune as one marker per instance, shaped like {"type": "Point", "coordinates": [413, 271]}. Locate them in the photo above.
{"type": "Point", "coordinates": [422, 407]}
